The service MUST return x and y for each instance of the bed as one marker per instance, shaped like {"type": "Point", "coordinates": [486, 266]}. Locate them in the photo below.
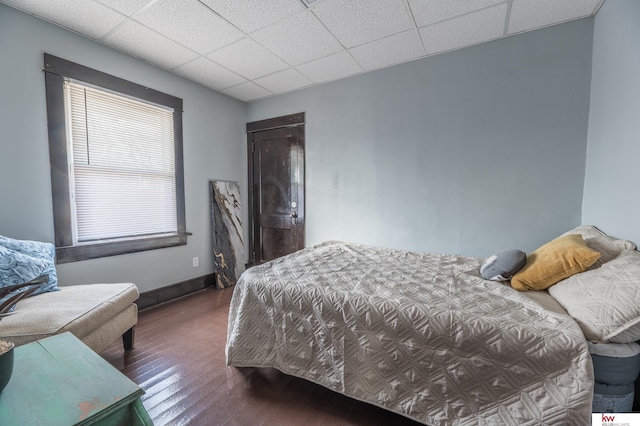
{"type": "Point", "coordinates": [420, 334]}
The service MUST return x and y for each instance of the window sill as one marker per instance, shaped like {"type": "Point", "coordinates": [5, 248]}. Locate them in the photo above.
{"type": "Point", "coordinates": [93, 251]}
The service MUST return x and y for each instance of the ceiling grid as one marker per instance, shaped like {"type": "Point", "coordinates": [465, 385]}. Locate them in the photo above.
{"type": "Point", "coordinates": [252, 49]}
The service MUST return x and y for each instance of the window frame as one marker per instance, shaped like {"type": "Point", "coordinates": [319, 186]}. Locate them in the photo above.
{"type": "Point", "coordinates": [56, 70]}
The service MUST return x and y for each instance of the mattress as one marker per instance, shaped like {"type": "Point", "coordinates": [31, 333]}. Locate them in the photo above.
{"type": "Point", "coordinates": [419, 334]}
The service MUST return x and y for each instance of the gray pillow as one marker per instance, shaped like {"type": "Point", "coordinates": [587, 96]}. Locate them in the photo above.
{"type": "Point", "coordinates": [503, 265]}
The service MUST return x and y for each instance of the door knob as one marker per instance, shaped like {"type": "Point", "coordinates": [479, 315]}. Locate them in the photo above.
{"type": "Point", "coordinates": [294, 214]}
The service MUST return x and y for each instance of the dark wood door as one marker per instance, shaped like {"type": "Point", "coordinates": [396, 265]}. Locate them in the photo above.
{"type": "Point", "coordinates": [276, 173]}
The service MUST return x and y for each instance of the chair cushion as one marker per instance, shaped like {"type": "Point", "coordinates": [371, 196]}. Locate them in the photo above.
{"type": "Point", "coordinates": [79, 309]}
{"type": "Point", "coordinates": [100, 338]}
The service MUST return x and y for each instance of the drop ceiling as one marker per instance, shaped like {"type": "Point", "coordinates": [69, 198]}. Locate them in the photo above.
{"type": "Point", "coordinates": [253, 49]}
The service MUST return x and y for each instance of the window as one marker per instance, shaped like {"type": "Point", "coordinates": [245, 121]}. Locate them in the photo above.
{"type": "Point", "coordinates": [116, 163]}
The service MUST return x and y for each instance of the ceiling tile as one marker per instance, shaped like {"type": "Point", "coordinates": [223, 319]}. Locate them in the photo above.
{"type": "Point", "coordinates": [140, 41]}
{"type": "Point", "coordinates": [249, 59]}
{"type": "Point", "coordinates": [331, 67]}
{"type": "Point", "coordinates": [389, 51]}
{"type": "Point", "coordinates": [251, 15]}
{"type": "Point", "coordinates": [209, 74]}
{"type": "Point", "coordinates": [126, 7]}
{"type": "Point", "coordinates": [189, 23]}
{"type": "Point", "coordinates": [530, 14]}
{"type": "Point", "coordinates": [358, 22]}
{"type": "Point", "coordinates": [256, 39]}
{"type": "Point", "coordinates": [474, 28]}
{"type": "Point", "coordinates": [247, 91]}
{"type": "Point", "coordinates": [284, 81]}
{"type": "Point", "coordinates": [298, 39]}
{"type": "Point", "coordinates": [428, 12]}
{"type": "Point", "coordinates": [87, 17]}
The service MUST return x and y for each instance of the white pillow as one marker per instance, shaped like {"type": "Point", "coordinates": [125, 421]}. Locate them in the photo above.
{"type": "Point", "coordinates": [586, 231]}
{"type": "Point", "coordinates": [609, 247]}
{"type": "Point", "coordinates": [605, 302]}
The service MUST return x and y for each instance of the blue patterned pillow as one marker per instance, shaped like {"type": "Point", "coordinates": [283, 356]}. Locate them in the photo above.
{"type": "Point", "coordinates": [22, 261]}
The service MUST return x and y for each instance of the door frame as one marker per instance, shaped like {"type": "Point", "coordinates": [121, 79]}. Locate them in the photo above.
{"type": "Point", "coordinates": [292, 120]}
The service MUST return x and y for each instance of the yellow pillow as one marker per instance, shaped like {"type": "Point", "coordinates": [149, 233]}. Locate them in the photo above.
{"type": "Point", "coordinates": [553, 262]}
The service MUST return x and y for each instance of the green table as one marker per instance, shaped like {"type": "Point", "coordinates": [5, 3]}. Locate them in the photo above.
{"type": "Point", "coordinates": [60, 381]}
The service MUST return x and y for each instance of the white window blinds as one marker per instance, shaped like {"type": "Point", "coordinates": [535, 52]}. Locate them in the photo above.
{"type": "Point", "coordinates": [121, 156]}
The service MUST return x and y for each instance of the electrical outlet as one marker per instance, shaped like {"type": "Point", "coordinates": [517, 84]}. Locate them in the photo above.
{"type": "Point", "coordinates": [196, 262]}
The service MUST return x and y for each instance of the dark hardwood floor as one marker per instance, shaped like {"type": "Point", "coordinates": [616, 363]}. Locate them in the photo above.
{"type": "Point", "coordinates": [179, 361]}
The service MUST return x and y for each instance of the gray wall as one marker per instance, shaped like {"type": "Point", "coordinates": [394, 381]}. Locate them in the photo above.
{"type": "Point", "coordinates": [611, 195]}
{"type": "Point", "coordinates": [468, 152]}
{"type": "Point", "coordinates": [213, 134]}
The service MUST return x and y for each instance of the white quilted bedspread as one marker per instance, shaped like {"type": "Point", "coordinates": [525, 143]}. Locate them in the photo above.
{"type": "Point", "coordinates": [419, 334]}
